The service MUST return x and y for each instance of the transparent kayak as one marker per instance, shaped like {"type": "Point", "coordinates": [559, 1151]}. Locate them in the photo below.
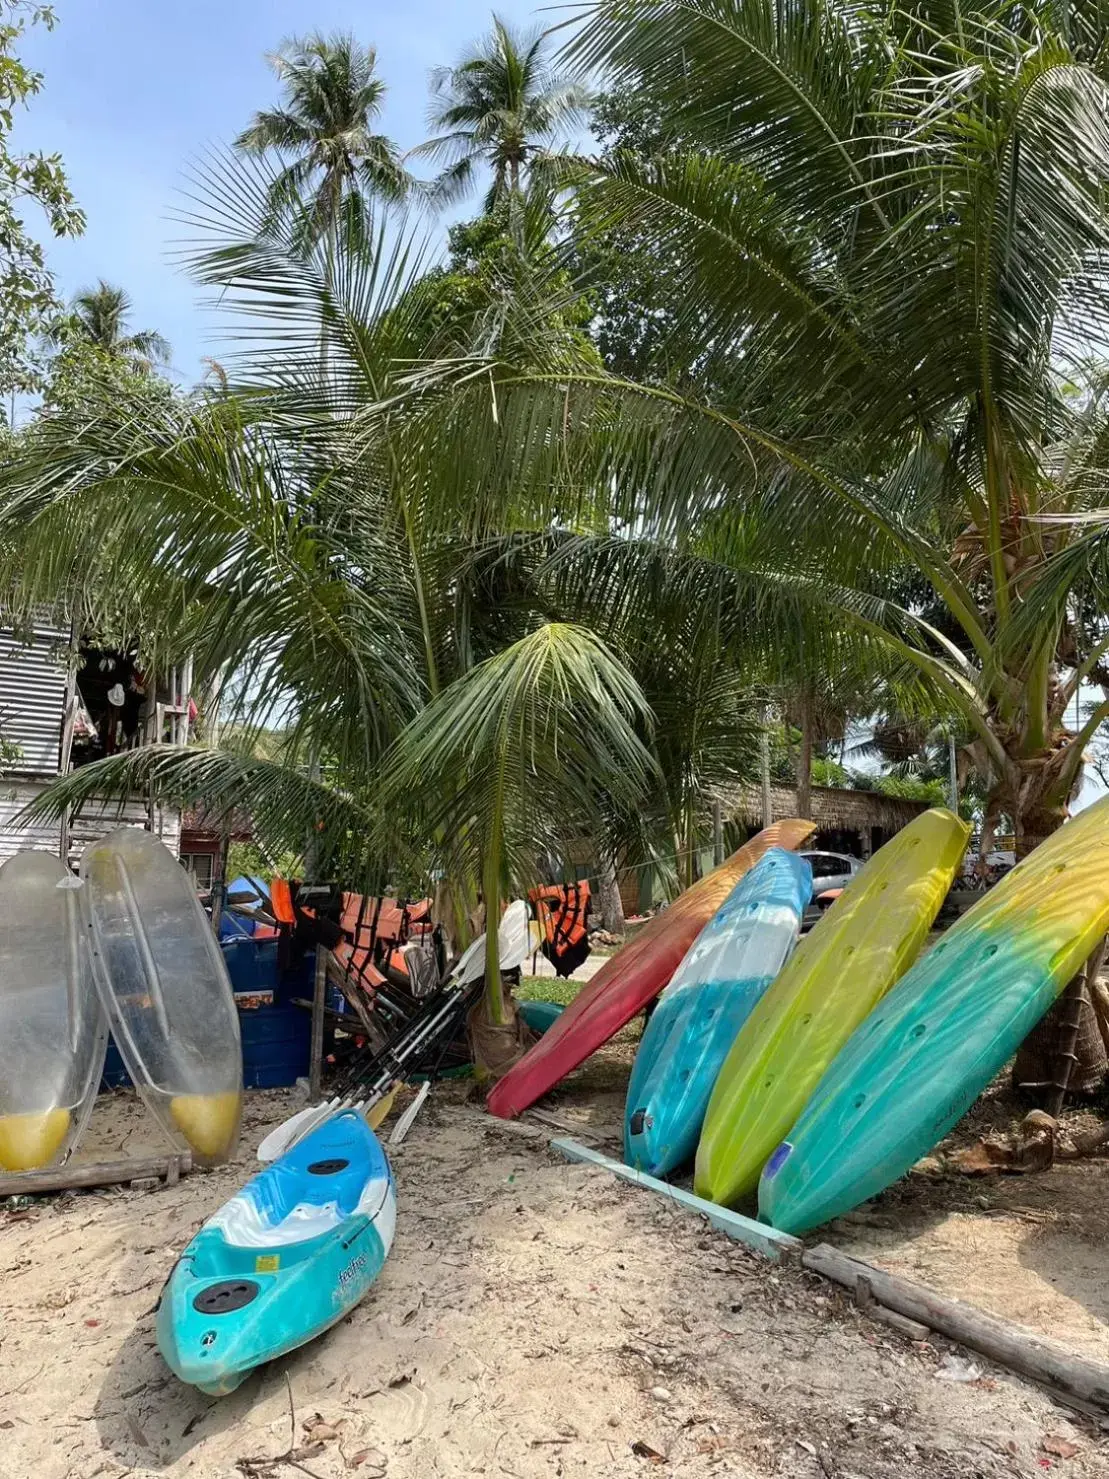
{"type": "Point", "coordinates": [53, 1032]}
{"type": "Point", "coordinates": [161, 977]}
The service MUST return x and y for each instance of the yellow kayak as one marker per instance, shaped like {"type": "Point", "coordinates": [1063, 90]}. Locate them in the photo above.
{"type": "Point", "coordinates": [866, 941]}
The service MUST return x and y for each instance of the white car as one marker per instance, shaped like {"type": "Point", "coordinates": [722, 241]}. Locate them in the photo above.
{"type": "Point", "coordinates": [831, 870]}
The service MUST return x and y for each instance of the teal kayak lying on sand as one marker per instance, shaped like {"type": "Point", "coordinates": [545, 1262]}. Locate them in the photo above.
{"type": "Point", "coordinates": [283, 1260]}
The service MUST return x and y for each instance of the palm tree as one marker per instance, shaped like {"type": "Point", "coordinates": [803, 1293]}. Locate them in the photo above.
{"type": "Point", "coordinates": [99, 317]}
{"type": "Point", "coordinates": [889, 237]}
{"type": "Point", "coordinates": [291, 537]}
{"type": "Point", "coordinates": [503, 106]}
{"type": "Point", "coordinates": [323, 131]}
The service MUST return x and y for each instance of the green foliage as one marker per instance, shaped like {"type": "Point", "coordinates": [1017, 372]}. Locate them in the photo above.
{"type": "Point", "coordinates": [827, 772]}
{"type": "Point", "coordinates": [82, 377]}
{"type": "Point", "coordinates": [247, 860]}
{"type": "Point", "coordinates": [97, 318]}
{"type": "Point", "coordinates": [332, 161]}
{"type": "Point", "coordinates": [516, 757]}
{"type": "Point", "coordinates": [502, 106]}
{"type": "Point", "coordinates": [507, 290]}
{"type": "Point", "coordinates": [27, 299]}
{"type": "Point", "coordinates": [913, 788]}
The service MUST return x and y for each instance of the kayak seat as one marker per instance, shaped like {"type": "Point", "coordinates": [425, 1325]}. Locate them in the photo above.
{"type": "Point", "coordinates": [327, 1178]}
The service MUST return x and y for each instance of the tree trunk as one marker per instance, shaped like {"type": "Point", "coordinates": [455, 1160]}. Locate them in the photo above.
{"type": "Point", "coordinates": [1064, 1051]}
{"type": "Point", "coordinates": [804, 759]}
{"type": "Point", "coordinates": [764, 768]}
{"type": "Point", "coordinates": [610, 906]}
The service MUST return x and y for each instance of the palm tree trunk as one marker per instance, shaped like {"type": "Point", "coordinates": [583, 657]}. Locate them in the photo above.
{"type": "Point", "coordinates": [611, 906]}
{"type": "Point", "coordinates": [1065, 1049]}
{"type": "Point", "coordinates": [804, 758]}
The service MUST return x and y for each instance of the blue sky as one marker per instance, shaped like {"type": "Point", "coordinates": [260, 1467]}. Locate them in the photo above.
{"type": "Point", "coordinates": [134, 89]}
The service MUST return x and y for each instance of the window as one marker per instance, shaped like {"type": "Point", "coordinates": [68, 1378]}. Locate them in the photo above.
{"type": "Point", "coordinates": [199, 865]}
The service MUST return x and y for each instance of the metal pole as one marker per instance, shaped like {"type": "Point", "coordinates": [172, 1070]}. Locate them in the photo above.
{"type": "Point", "coordinates": [717, 832]}
{"type": "Point", "coordinates": [315, 1064]}
{"type": "Point", "coordinates": [952, 774]}
{"type": "Point", "coordinates": [69, 720]}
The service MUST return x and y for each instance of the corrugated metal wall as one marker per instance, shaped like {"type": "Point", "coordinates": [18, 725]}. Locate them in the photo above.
{"type": "Point", "coordinates": [32, 698]}
{"type": "Point", "coordinates": [96, 819]}
{"type": "Point", "coordinates": [32, 710]}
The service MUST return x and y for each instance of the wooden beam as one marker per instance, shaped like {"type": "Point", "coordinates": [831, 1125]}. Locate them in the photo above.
{"type": "Point", "coordinates": [104, 1173]}
{"type": "Point", "coordinates": [769, 1241]}
{"type": "Point", "coordinates": [1072, 1378]}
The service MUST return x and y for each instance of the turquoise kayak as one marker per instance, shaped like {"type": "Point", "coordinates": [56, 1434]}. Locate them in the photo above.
{"type": "Point", "coordinates": [714, 990]}
{"type": "Point", "coordinates": [925, 1053]}
{"type": "Point", "coordinates": [539, 1015]}
{"type": "Point", "coordinates": [283, 1260]}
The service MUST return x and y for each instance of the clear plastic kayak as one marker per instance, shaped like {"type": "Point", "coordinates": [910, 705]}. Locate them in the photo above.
{"type": "Point", "coordinates": [53, 1032]}
{"type": "Point", "coordinates": [161, 976]}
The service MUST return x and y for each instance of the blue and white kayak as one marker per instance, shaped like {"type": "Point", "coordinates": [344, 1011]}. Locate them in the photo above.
{"type": "Point", "coordinates": [710, 996]}
{"type": "Point", "coordinates": [283, 1260]}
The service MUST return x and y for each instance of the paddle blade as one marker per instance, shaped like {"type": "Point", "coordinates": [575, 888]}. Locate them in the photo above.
{"type": "Point", "coordinates": [408, 1118]}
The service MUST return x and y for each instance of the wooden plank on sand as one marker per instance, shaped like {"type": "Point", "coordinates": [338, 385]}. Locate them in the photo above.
{"type": "Point", "coordinates": [1074, 1378]}
{"type": "Point", "coordinates": [104, 1173]}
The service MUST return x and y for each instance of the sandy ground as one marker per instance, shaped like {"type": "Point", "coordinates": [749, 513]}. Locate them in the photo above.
{"type": "Point", "coordinates": [1033, 1248]}
{"type": "Point", "coordinates": [535, 1319]}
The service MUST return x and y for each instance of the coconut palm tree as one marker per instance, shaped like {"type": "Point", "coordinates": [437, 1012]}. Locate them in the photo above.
{"type": "Point", "coordinates": [503, 106]}
{"type": "Point", "coordinates": [290, 538]}
{"type": "Point", "coordinates": [323, 131]}
{"type": "Point", "coordinates": [889, 235]}
{"type": "Point", "coordinates": [99, 317]}
{"type": "Point", "coordinates": [892, 239]}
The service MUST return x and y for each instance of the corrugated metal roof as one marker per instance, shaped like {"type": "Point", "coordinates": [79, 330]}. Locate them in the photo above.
{"type": "Point", "coordinates": [32, 698]}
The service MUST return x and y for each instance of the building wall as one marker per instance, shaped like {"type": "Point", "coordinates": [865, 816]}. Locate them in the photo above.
{"type": "Point", "coordinates": [32, 714]}
{"type": "Point", "coordinates": [94, 821]}
{"type": "Point", "coordinates": [32, 697]}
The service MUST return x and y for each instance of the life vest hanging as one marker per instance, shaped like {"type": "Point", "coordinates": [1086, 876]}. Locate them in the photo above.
{"type": "Point", "coordinates": [562, 910]}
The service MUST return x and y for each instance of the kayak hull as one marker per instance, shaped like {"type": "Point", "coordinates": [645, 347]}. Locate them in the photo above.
{"type": "Point", "coordinates": [632, 978]}
{"type": "Point", "coordinates": [53, 1032]}
{"type": "Point", "coordinates": [712, 993]}
{"type": "Point", "coordinates": [847, 963]}
{"type": "Point", "coordinates": [282, 1261]}
{"type": "Point", "coordinates": [164, 985]}
{"type": "Point", "coordinates": [924, 1055]}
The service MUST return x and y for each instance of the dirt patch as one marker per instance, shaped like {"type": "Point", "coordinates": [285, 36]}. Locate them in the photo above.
{"type": "Point", "coordinates": [535, 1319]}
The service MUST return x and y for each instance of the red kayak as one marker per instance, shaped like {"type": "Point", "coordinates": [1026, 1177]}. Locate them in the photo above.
{"type": "Point", "coordinates": [632, 978]}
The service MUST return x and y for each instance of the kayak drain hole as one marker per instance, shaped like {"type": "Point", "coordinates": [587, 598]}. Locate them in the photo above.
{"type": "Point", "coordinates": [225, 1298]}
{"type": "Point", "coordinates": [639, 1119]}
{"type": "Point", "coordinates": [860, 1100]}
{"type": "Point", "coordinates": [919, 1030]}
{"type": "Point", "coordinates": [328, 1168]}
{"type": "Point", "coordinates": [987, 953]}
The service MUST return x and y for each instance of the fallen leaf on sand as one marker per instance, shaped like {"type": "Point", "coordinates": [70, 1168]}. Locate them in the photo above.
{"type": "Point", "coordinates": [316, 1431]}
{"type": "Point", "coordinates": [1060, 1447]}
{"type": "Point", "coordinates": [137, 1433]}
{"type": "Point", "coordinates": [644, 1450]}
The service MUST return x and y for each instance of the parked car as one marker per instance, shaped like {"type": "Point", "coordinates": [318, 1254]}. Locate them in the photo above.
{"type": "Point", "coordinates": [831, 873]}
{"type": "Point", "coordinates": [831, 870]}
